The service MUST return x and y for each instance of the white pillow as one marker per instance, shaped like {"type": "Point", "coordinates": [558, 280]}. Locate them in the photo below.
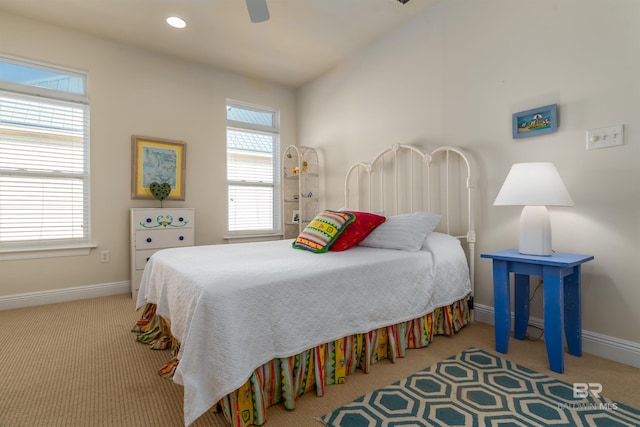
{"type": "Point", "coordinates": [435, 242]}
{"type": "Point", "coordinates": [404, 232]}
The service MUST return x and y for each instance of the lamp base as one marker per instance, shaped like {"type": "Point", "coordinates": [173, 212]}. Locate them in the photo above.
{"type": "Point", "coordinates": [535, 231]}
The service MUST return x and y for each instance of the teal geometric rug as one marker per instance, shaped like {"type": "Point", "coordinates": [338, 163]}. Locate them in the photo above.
{"type": "Point", "coordinates": [476, 388]}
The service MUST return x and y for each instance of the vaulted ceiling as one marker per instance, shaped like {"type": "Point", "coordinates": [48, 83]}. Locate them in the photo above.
{"type": "Point", "coordinates": [301, 40]}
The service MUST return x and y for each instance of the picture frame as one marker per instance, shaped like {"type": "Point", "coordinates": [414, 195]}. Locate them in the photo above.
{"type": "Point", "coordinates": [157, 160]}
{"type": "Point", "coordinates": [295, 217]}
{"type": "Point", "coordinates": [534, 122]}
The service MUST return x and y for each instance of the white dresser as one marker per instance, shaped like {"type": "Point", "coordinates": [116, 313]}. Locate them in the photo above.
{"type": "Point", "coordinates": [155, 229]}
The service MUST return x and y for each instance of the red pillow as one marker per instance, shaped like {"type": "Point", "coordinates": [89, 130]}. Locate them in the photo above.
{"type": "Point", "coordinates": [354, 233]}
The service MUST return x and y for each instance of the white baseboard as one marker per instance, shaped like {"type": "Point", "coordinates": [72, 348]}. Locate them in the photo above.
{"type": "Point", "coordinates": [30, 299]}
{"type": "Point", "coordinates": [616, 349]}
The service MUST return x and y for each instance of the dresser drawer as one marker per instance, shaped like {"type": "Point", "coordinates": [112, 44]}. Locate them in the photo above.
{"type": "Point", "coordinates": [142, 257]}
{"type": "Point", "coordinates": [165, 219]}
{"type": "Point", "coordinates": [155, 239]}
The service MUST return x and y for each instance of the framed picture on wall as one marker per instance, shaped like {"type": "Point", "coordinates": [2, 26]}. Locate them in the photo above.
{"type": "Point", "coordinates": [537, 121]}
{"type": "Point", "coordinates": [160, 161]}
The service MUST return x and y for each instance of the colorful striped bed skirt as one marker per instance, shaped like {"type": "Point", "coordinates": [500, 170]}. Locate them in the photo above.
{"type": "Point", "coordinates": [284, 379]}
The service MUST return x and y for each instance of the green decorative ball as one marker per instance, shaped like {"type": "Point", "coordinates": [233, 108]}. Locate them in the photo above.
{"type": "Point", "coordinates": [160, 191]}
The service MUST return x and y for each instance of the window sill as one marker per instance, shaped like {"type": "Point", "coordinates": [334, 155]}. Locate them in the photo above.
{"type": "Point", "coordinates": [242, 238]}
{"type": "Point", "coordinates": [15, 253]}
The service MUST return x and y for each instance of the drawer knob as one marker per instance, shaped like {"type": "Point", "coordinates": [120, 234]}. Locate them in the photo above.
{"type": "Point", "coordinates": [148, 239]}
{"type": "Point", "coordinates": [149, 220]}
{"type": "Point", "coordinates": [181, 219]}
{"type": "Point", "coordinates": [181, 237]}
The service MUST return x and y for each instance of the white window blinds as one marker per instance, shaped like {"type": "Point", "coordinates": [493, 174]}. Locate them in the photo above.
{"type": "Point", "coordinates": [44, 178]}
{"type": "Point", "coordinates": [252, 165]}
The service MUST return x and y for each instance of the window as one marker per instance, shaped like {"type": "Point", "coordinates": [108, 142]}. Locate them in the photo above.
{"type": "Point", "coordinates": [44, 162]}
{"type": "Point", "coordinates": [252, 170]}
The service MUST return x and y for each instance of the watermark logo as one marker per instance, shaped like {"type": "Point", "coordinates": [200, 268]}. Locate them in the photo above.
{"type": "Point", "coordinates": [582, 390]}
{"type": "Point", "coordinates": [585, 391]}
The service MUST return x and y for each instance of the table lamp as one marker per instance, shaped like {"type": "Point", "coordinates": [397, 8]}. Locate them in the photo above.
{"type": "Point", "coordinates": [535, 186]}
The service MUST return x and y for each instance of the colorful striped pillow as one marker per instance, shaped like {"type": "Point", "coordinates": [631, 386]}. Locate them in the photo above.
{"type": "Point", "coordinates": [322, 231]}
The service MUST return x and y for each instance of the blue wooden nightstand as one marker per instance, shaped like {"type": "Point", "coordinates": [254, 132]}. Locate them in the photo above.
{"type": "Point", "coordinates": [561, 300]}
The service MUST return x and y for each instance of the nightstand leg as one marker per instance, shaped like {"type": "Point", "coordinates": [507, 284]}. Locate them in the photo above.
{"type": "Point", "coordinates": [573, 312]}
{"type": "Point", "coordinates": [521, 302]}
{"type": "Point", "coordinates": [501, 302]}
{"type": "Point", "coordinates": [554, 317]}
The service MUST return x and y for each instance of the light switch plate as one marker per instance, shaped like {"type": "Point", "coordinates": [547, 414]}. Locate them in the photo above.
{"type": "Point", "coordinates": [605, 137]}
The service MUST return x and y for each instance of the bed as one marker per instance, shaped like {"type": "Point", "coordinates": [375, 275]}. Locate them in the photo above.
{"type": "Point", "coordinates": [246, 336]}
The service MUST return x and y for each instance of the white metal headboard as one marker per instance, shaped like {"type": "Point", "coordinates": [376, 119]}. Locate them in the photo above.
{"type": "Point", "coordinates": [403, 179]}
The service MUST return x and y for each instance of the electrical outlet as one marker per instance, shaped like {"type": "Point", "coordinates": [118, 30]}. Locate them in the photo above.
{"type": "Point", "coordinates": [605, 137]}
{"type": "Point", "coordinates": [104, 256]}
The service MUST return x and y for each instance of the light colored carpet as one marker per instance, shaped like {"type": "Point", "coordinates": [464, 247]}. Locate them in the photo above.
{"type": "Point", "coordinates": [78, 364]}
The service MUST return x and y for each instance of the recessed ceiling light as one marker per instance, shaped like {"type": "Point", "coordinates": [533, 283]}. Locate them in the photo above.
{"type": "Point", "coordinates": [176, 22]}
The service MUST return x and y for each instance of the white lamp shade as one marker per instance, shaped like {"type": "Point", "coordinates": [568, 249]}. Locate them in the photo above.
{"type": "Point", "coordinates": [533, 184]}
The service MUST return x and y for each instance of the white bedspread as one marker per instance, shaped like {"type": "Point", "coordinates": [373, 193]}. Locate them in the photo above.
{"type": "Point", "coordinates": [235, 307]}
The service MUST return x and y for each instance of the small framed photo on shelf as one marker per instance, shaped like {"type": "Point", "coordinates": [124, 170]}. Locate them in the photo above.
{"type": "Point", "coordinates": [537, 121]}
{"type": "Point", "coordinates": [295, 218]}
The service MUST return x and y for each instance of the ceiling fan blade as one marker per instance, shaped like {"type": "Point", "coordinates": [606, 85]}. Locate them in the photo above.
{"type": "Point", "coordinates": [258, 11]}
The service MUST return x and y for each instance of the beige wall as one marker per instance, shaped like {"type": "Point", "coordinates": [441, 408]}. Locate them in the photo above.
{"type": "Point", "coordinates": [453, 76]}
{"type": "Point", "coordinates": [137, 92]}
{"type": "Point", "coordinates": [456, 74]}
